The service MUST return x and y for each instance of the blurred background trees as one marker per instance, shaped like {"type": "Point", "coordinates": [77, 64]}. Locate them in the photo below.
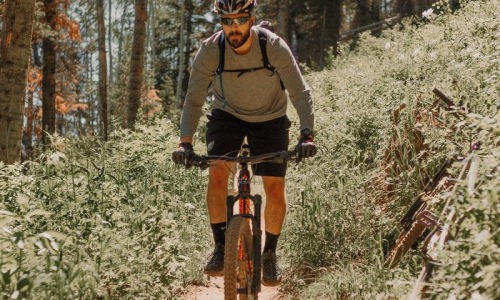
{"type": "Point", "coordinates": [100, 65]}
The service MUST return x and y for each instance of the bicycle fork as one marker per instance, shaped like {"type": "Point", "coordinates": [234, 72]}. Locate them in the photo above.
{"type": "Point", "coordinates": [244, 199]}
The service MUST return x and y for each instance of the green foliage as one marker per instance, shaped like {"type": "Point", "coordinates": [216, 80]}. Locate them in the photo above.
{"type": "Point", "coordinates": [342, 217]}
{"type": "Point", "coordinates": [470, 264]}
{"type": "Point", "coordinates": [110, 220]}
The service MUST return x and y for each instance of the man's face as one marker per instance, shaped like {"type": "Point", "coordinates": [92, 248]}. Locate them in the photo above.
{"type": "Point", "coordinates": [237, 28]}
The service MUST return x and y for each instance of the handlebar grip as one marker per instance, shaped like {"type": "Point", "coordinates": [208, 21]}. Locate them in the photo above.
{"type": "Point", "coordinates": [199, 161]}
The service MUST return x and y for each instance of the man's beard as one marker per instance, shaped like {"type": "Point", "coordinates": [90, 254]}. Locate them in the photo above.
{"type": "Point", "coordinates": [244, 38]}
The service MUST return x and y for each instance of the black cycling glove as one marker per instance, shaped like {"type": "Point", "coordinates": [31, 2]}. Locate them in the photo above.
{"type": "Point", "coordinates": [306, 147]}
{"type": "Point", "coordinates": [183, 154]}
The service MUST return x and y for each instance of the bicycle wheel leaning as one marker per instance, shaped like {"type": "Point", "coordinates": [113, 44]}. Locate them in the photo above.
{"type": "Point", "coordinates": [424, 220]}
{"type": "Point", "coordinates": [238, 260]}
{"type": "Point", "coordinates": [403, 244]}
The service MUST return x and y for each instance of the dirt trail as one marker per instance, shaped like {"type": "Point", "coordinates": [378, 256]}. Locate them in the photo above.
{"type": "Point", "coordinates": [214, 290]}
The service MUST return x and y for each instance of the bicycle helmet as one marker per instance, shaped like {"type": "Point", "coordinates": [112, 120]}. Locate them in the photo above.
{"type": "Point", "coordinates": [227, 7]}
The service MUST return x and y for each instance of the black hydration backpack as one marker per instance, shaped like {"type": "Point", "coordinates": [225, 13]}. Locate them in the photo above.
{"type": "Point", "coordinates": [262, 43]}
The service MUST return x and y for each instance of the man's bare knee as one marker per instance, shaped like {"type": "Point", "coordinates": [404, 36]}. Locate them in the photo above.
{"type": "Point", "coordinates": [274, 185]}
{"type": "Point", "coordinates": [219, 176]}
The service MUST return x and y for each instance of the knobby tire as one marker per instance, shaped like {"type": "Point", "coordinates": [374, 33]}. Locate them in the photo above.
{"type": "Point", "coordinates": [238, 272]}
{"type": "Point", "coordinates": [404, 242]}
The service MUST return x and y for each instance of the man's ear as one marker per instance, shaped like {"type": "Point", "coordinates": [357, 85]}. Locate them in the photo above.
{"type": "Point", "coordinates": [253, 20]}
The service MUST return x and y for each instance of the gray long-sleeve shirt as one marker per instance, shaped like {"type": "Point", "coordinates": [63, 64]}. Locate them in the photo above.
{"type": "Point", "coordinates": [254, 96]}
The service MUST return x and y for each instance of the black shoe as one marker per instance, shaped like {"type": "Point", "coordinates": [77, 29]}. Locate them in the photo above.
{"type": "Point", "coordinates": [215, 264]}
{"type": "Point", "coordinates": [271, 272]}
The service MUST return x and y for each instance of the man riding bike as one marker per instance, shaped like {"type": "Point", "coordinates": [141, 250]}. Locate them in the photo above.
{"type": "Point", "coordinates": [250, 100]}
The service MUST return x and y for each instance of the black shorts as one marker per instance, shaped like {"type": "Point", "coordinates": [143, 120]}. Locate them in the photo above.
{"type": "Point", "coordinates": [225, 134]}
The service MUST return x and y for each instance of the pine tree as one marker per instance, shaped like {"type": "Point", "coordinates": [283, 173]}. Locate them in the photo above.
{"type": "Point", "coordinates": [15, 47]}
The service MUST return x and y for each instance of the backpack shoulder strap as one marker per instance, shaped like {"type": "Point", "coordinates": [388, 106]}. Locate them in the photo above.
{"type": "Point", "coordinates": [222, 51]}
{"type": "Point", "coordinates": [263, 48]}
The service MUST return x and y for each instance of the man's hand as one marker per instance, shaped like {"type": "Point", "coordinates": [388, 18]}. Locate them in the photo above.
{"type": "Point", "coordinates": [183, 154]}
{"type": "Point", "coordinates": [306, 147]}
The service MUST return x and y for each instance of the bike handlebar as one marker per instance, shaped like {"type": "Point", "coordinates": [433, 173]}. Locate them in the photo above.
{"type": "Point", "coordinates": [204, 161]}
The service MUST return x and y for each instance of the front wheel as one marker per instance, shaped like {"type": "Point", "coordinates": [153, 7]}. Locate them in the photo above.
{"type": "Point", "coordinates": [238, 260]}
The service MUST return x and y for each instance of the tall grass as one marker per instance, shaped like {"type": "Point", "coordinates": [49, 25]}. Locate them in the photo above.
{"type": "Point", "coordinates": [95, 220]}
{"type": "Point", "coordinates": [344, 209]}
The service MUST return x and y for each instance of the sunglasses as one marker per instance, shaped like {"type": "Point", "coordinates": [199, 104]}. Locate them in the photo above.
{"type": "Point", "coordinates": [238, 21]}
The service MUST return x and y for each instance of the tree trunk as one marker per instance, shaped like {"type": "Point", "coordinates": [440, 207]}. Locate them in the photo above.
{"type": "Point", "coordinates": [284, 20]}
{"type": "Point", "coordinates": [49, 75]}
{"type": "Point", "coordinates": [103, 67]}
{"type": "Point", "coordinates": [178, 96]}
{"type": "Point", "coordinates": [335, 14]}
{"type": "Point", "coordinates": [330, 29]}
{"type": "Point", "coordinates": [412, 7]}
{"type": "Point", "coordinates": [151, 37]}
{"type": "Point", "coordinates": [137, 61]}
{"type": "Point", "coordinates": [123, 106]}
{"type": "Point", "coordinates": [323, 33]}
{"type": "Point", "coordinates": [15, 47]}
{"type": "Point", "coordinates": [187, 44]}
{"type": "Point", "coordinates": [110, 40]}
{"type": "Point", "coordinates": [367, 12]}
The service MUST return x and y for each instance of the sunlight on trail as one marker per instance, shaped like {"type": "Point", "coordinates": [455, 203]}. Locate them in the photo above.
{"type": "Point", "coordinates": [215, 290]}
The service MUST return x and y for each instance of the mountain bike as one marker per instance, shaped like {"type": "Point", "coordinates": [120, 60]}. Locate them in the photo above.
{"type": "Point", "coordinates": [242, 258]}
{"type": "Point", "coordinates": [419, 222]}
{"type": "Point", "coordinates": [448, 222]}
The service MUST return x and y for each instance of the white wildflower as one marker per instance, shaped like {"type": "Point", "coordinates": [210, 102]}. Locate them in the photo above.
{"type": "Point", "coordinates": [387, 45]}
{"type": "Point", "coordinates": [9, 232]}
{"type": "Point", "coordinates": [428, 14]}
{"type": "Point", "coordinates": [20, 244]}
{"type": "Point", "coordinates": [55, 158]}
{"type": "Point", "coordinates": [189, 206]}
{"type": "Point", "coordinates": [476, 296]}
{"type": "Point", "coordinates": [15, 295]}
{"type": "Point", "coordinates": [483, 235]}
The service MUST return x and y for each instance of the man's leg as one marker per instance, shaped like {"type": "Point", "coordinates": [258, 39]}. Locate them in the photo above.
{"type": "Point", "coordinates": [274, 216]}
{"type": "Point", "coordinates": [216, 204]}
{"type": "Point", "coordinates": [217, 192]}
{"type": "Point", "coordinates": [275, 210]}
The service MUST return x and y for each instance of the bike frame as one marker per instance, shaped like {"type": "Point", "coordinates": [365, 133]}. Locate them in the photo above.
{"type": "Point", "coordinates": [245, 198]}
